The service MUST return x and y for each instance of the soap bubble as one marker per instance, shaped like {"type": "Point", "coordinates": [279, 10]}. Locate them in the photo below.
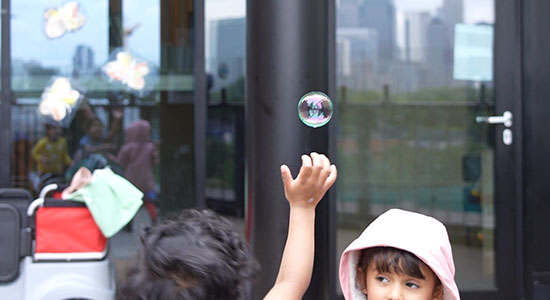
{"type": "Point", "coordinates": [315, 109]}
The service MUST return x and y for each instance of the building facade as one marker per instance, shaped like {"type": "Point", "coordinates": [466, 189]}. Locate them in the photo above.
{"type": "Point", "coordinates": [412, 85]}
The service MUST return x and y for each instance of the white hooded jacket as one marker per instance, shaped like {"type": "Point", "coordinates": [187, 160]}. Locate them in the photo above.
{"type": "Point", "coordinates": [418, 234]}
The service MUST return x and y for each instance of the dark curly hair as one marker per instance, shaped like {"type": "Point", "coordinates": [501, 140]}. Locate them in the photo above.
{"type": "Point", "coordinates": [197, 256]}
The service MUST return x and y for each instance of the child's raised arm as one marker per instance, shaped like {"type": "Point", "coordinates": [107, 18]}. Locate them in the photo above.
{"type": "Point", "coordinates": [303, 193]}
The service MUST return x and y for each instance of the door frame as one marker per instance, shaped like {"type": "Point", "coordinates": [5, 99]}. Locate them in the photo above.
{"type": "Point", "coordinates": [5, 94]}
{"type": "Point", "coordinates": [508, 159]}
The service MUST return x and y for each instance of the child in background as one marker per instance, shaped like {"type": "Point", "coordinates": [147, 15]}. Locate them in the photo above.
{"type": "Point", "coordinates": [93, 141]}
{"type": "Point", "coordinates": [50, 152]}
{"type": "Point", "coordinates": [400, 255]}
{"type": "Point", "coordinates": [138, 156]}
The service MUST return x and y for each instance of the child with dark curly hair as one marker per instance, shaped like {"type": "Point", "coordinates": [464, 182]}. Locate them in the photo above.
{"type": "Point", "coordinates": [197, 256]}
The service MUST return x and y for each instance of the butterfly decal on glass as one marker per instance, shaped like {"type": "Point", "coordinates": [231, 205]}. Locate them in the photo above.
{"type": "Point", "coordinates": [128, 70]}
{"type": "Point", "coordinates": [58, 100]}
{"type": "Point", "coordinates": [66, 18]}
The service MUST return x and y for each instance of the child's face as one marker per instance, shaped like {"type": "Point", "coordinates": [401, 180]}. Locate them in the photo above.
{"type": "Point", "coordinates": [95, 130]}
{"type": "Point", "coordinates": [52, 133]}
{"type": "Point", "coordinates": [393, 286]}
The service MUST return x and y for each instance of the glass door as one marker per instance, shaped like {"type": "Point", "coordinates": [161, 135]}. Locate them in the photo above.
{"type": "Point", "coordinates": [415, 81]}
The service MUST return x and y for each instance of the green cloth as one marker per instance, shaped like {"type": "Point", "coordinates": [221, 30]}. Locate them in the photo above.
{"type": "Point", "coordinates": [112, 200]}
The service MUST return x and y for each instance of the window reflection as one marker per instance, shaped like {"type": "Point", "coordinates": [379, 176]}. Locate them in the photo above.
{"type": "Point", "coordinates": [402, 51]}
{"type": "Point", "coordinates": [407, 138]}
{"type": "Point", "coordinates": [36, 58]}
{"type": "Point", "coordinates": [133, 112]}
{"type": "Point", "coordinates": [225, 68]}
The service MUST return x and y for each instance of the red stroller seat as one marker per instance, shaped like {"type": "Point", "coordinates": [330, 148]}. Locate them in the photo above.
{"type": "Point", "coordinates": [67, 230]}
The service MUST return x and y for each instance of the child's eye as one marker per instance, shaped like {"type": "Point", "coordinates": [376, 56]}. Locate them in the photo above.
{"type": "Point", "coordinates": [382, 279]}
{"type": "Point", "coordinates": [412, 285]}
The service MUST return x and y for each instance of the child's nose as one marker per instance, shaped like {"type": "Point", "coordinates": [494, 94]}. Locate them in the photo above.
{"type": "Point", "coordinates": [395, 292]}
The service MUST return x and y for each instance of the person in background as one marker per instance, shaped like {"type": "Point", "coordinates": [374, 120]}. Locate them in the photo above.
{"type": "Point", "coordinates": [138, 157]}
{"type": "Point", "coordinates": [50, 152]}
{"type": "Point", "coordinates": [94, 141]}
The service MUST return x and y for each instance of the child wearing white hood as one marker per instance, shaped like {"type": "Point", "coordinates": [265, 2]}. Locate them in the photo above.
{"type": "Point", "coordinates": [400, 255]}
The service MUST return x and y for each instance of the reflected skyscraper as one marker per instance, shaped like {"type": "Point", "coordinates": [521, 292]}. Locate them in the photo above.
{"type": "Point", "coordinates": [380, 16]}
{"type": "Point", "coordinates": [416, 24]}
{"type": "Point", "coordinates": [83, 61]}
{"type": "Point", "coordinates": [440, 53]}
{"type": "Point", "coordinates": [357, 57]}
{"type": "Point", "coordinates": [347, 13]}
{"type": "Point", "coordinates": [451, 13]}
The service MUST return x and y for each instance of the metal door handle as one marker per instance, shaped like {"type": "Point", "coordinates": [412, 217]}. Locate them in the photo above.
{"type": "Point", "coordinates": [505, 119]}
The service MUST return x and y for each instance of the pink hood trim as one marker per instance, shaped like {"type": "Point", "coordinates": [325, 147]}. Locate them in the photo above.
{"type": "Point", "coordinates": [421, 235]}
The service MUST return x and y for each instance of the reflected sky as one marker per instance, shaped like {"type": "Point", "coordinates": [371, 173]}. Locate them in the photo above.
{"type": "Point", "coordinates": [474, 10]}
{"type": "Point", "coordinates": [30, 43]}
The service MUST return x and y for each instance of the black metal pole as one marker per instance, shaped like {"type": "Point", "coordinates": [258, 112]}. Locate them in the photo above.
{"type": "Point", "coordinates": [200, 106]}
{"type": "Point", "coordinates": [5, 101]}
{"type": "Point", "coordinates": [287, 56]}
{"type": "Point", "coordinates": [116, 32]}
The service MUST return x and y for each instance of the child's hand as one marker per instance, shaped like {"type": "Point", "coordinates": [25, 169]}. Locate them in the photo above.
{"type": "Point", "coordinates": [316, 176]}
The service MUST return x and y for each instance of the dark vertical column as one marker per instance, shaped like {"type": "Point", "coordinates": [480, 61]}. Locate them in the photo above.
{"type": "Point", "coordinates": [116, 31]}
{"type": "Point", "coordinates": [5, 100]}
{"type": "Point", "coordinates": [535, 92]}
{"type": "Point", "coordinates": [287, 56]}
{"type": "Point", "coordinates": [509, 163]}
{"type": "Point", "coordinates": [200, 105]}
{"type": "Point", "coordinates": [116, 40]}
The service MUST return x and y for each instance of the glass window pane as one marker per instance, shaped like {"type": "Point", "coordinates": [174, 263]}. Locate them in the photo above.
{"type": "Point", "coordinates": [225, 43]}
{"type": "Point", "coordinates": [226, 50]}
{"type": "Point", "coordinates": [112, 84]}
{"type": "Point", "coordinates": [409, 95]}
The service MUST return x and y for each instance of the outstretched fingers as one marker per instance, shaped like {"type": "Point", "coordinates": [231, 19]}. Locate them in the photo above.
{"type": "Point", "coordinates": [317, 160]}
{"type": "Point", "coordinates": [331, 177]}
{"type": "Point", "coordinates": [324, 171]}
{"type": "Point", "coordinates": [306, 169]}
{"type": "Point", "coordinates": [286, 175]}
